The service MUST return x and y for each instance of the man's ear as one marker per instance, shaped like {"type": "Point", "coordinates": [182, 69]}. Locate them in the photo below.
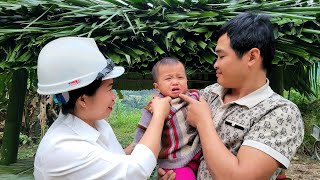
{"type": "Point", "coordinates": [155, 85]}
{"type": "Point", "coordinates": [254, 56]}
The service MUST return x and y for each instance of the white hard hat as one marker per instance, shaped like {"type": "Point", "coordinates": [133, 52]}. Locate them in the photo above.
{"type": "Point", "coordinates": [70, 63]}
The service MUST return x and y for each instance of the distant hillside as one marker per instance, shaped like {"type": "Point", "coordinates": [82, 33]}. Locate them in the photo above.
{"type": "Point", "coordinates": [136, 99]}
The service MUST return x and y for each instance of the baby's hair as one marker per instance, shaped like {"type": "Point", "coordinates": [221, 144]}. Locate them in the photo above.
{"type": "Point", "coordinates": [161, 62]}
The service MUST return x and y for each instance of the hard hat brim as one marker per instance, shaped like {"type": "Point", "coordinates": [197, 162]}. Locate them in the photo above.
{"type": "Point", "coordinates": [116, 72]}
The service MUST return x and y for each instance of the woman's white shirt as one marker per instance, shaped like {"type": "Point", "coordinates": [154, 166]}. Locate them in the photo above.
{"type": "Point", "coordinates": [71, 149]}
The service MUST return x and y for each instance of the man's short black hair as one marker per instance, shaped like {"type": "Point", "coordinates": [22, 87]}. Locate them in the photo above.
{"type": "Point", "coordinates": [247, 31]}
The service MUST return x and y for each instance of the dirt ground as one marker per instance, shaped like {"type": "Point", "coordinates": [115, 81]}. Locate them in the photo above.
{"type": "Point", "coordinates": [304, 167]}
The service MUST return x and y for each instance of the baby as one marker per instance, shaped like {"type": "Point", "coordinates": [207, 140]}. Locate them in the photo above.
{"type": "Point", "coordinates": [180, 143]}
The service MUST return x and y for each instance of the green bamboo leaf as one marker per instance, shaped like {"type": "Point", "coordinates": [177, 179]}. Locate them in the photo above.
{"type": "Point", "coordinates": [208, 35]}
{"type": "Point", "coordinates": [124, 39]}
{"type": "Point", "coordinates": [15, 53]}
{"type": "Point", "coordinates": [293, 16]}
{"type": "Point", "coordinates": [78, 28]}
{"type": "Point", "coordinates": [152, 12]}
{"type": "Point", "coordinates": [118, 3]}
{"type": "Point", "coordinates": [104, 22]}
{"type": "Point", "coordinates": [25, 57]}
{"type": "Point", "coordinates": [193, 14]}
{"type": "Point", "coordinates": [202, 44]}
{"type": "Point", "coordinates": [176, 17]}
{"type": "Point", "coordinates": [93, 25]}
{"type": "Point", "coordinates": [187, 24]}
{"type": "Point", "coordinates": [200, 30]}
{"type": "Point", "coordinates": [170, 35]}
{"type": "Point", "coordinates": [137, 51]}
{"type": "Point", "coordinates": [81, 3]}
{"type": "Point", "coordinates": [123, 53]}
{"type": "Point", "coordinates": [115, 58]}
{"type": "Point", "coordinates": [106, 13]}
{"type": "Point", "coordinates": [305, 10]}
{"type": "Point", "coordinates": [104, 38]}
{"type": "Point", "coordinates": [127, 18]}
{"type": "Point", "coordinates": [293, 50]}
{"type": "Point", "coordinates": [176, 48]}
{"type": "Point", "coordinates": [276, 3]}
{"type": "Point", "coordinates": [277, 58]}
{"type": "Point", "coordinates": [180, 53]}
{"type": "Point", "coordinates": [209, 14]}
{"type": "Point", "coordinates": [306, 39]}
{"type": "Point", "coordinates": [217, 23]}
{"type": "Point", "coordinates": [180, 40]}
{"type": "Point", "coordinates": [191, 45]}
{"type": "Point", "coordinates": [155, 32]}
{"type": "Point", "coordinates": [158, 50]}
{"type": "Point", "coordinates": [311, 31]}
{"type": "Point", "coordinates": [130, 51]}
{"type": "Point", "coordinates": [37, 18]}
{"type": "Point", "coordinates": [4, 65]}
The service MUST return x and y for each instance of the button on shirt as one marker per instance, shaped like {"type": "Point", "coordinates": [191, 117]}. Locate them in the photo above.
{"type": "Point", "coordinates": [71, 149]}
{"type": "Point", "coordinates": [262, 119]}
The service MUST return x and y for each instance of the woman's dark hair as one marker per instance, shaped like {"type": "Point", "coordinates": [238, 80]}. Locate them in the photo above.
{"type": "Point", "coordinates": [247, 31]}
{"type": "Point", "coordinates": [88, 90]}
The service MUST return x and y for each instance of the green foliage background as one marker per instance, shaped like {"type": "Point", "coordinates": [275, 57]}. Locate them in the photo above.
{"type": "Point", "coordinates": [137, 33]}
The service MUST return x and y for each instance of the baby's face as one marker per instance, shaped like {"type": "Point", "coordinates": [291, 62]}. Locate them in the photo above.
{"type": "Point", "coordinates": [172, 80]}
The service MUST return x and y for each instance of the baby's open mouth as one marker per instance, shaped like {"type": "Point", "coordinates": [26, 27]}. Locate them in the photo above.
{"type": "Point", "coordinates": [175, 89]}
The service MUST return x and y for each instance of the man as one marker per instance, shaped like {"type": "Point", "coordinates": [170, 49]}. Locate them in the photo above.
{"type": "Point", "coordinates": [247, 131]}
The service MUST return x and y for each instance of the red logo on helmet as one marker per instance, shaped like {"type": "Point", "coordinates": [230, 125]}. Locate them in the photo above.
{"type": "Point", "coordinates": [75, 82]}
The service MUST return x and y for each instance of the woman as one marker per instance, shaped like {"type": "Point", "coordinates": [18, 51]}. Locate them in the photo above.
{"type": "Point", "coordinates": [80, 144]}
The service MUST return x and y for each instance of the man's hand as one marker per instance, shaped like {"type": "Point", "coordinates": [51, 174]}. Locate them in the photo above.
{"type": "Point", "coordinates": [163, 175]}
{"type": "Point", "coordinates": [198, 111]}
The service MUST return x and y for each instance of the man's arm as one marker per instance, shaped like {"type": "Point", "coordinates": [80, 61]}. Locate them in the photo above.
{"type": "Point", "coordinates": [249, 163]}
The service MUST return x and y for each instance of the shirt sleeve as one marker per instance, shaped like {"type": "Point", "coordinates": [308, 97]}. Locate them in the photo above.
{"type": "Point", "coordinates": [278, 133]}
{"type": "Point", "coordinates": [83, 160]}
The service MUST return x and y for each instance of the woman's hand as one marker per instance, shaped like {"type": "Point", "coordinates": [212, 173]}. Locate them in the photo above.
{"type": "Point", "coordinates": [152, 136]}
{"type": "Point", "coordinates": [198, 111]}
{"type": "Point", "coordinates": [160, 107]}
{"type": "Point", "coordinates": [128, 150]}
{"type": "Point", "coordinates": [163, 175]}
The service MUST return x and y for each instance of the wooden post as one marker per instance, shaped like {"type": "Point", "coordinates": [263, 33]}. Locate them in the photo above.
{"type": "Point", "coordinates": [17, 92]}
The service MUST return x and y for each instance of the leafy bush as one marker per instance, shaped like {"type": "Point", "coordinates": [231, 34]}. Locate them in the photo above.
{"type": "Point", "coordinates": [309, 108]}
{"type": "Point", "coordinates": [311, 115]}
{"type": "Point", "coordinates": [24, 139]}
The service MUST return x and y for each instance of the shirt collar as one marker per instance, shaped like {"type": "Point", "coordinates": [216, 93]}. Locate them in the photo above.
{"type": "Point", "coordinates": [251, 99]}
{"type": "Point", "coordinates": [81, 128]}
